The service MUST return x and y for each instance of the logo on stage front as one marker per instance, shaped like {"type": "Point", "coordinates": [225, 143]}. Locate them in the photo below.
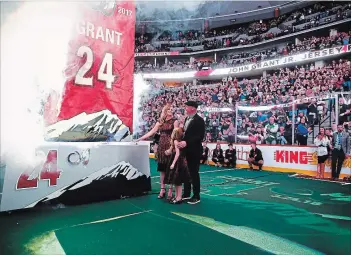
{"type": "Point", "coordinates": [75, 158]}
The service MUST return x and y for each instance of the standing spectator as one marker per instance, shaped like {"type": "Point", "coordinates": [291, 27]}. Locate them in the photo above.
{"type": "Point", "coordinates": [215, 124]}
{"type": "Point", "coordinates": [230, 132]}
{"type": "Point", "coordinates": [341, 150]}
{"type": "Point", "coordinates": [347, 81]}
{"type": "Point", "coordinates": [302, 132]}
{"type": "Point", "coordinates": [323, 143]}
{"type": "Point", "coordinates": [312, 112]}
{"type": "Point", "coordinates": [344, 111]}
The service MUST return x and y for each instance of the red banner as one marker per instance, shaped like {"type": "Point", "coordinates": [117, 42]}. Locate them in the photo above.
{"type": "Point", "coordinates": [100, 71]}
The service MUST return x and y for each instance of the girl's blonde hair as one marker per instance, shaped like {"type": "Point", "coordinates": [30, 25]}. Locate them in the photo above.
{"type": "Point", "coordinates": [164, 113]}
{"type": "Point", "coordinates": [176, 135]}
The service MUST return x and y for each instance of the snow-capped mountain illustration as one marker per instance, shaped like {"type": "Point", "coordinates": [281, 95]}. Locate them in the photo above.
{"type": "Point", "coordinates": [122, 168]}
{"type": "Point", "coordinates": [99, 126]}
{"type": "Point", "coordinates": [111, 182]}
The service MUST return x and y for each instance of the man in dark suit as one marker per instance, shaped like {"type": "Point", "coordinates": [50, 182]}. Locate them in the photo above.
{"type": "Point", "coordinates": [192, 142]}
{"type": "Point", "coordinates": [341, 143]}
{"type": "Point", "coordinates": [255, 157]}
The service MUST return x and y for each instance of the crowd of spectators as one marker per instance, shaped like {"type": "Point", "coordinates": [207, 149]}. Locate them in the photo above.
{"type": "Point", "coordinates": [317, 8]}
{"type": "Point", "coordinates": [171, 66]}
{"type": "Point", "coordinates": [243, 58]}
{"type": "Point", "coordinates": [319, 43]}
{"type": "Point", "coordinates": [272, 124]}
{"type": "Point", "coordinates": [258, 28]}
{"type": "Point", "coordinates": [189, 35]}
{"type": "Point", "coordinates": [324, 9]}
{"type": "Point", "coordinates": [220, 32]}
{"type": "Point", "coordinates": [323, 18]}
{"type": "Point", "coordinates": [253, 33]}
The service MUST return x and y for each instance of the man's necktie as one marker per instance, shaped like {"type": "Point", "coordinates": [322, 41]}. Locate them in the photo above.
{"type": "Point", "coordinates": [338, 141]}
{"type": "Point", "coordinates": [188, 121]}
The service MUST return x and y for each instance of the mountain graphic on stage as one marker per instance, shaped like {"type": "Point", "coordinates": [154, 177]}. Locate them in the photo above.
{"type": "Point", "coordinates": [108, 183]}
{"type": "Point", "coordinates": [99, 126]}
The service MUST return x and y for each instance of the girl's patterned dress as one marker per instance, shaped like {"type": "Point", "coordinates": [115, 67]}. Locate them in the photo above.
{"type": "Point", "coordinates": [180, 173]}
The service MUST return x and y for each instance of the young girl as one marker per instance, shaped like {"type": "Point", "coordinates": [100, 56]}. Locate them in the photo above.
{"type": "Point", "coordinates": [177, 173]}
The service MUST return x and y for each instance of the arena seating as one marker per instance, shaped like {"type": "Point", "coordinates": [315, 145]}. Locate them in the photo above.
{"type": "Point", "coordinates": [313, 88]}
{"type": "Point", "coordinates": [233, 59]}
{"type": "Point", "coordinates": [277, 89]}
{"type": "Point", "coordinates": [191, 41]}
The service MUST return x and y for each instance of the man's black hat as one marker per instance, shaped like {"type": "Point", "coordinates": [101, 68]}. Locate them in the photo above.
{"type": "Point", "coordinates": [192, 103]}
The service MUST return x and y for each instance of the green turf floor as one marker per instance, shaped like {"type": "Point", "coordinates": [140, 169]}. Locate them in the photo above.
{"type": "Point", "coordinates": [241, 212]}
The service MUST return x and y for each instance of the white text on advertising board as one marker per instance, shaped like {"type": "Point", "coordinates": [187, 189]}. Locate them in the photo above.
{"type": "Point", "coordinates": [292, 59]}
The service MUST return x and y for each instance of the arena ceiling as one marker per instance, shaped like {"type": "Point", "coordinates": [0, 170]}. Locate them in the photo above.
{"type": "Point", "coordinates": [180, 10]}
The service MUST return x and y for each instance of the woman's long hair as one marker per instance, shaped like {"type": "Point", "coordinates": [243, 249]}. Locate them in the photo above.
{"type": "Point", "coordinates": [176, 135]}
{"type": "Point", "coordinates": [163, 114]}
{"type": "Point", "coordinates": [321, 129]}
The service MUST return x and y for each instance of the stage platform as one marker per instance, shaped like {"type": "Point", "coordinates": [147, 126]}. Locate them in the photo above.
{"type": "Point", "coordinates": [241, 212]}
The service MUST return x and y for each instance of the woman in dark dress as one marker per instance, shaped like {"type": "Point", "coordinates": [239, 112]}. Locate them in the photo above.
{"type": "Point", "coordinates": [165, 125]}
{"type": "Point", "coordinates": [218, 156]}
{"type": "Point", "coordinates": [177, 172]}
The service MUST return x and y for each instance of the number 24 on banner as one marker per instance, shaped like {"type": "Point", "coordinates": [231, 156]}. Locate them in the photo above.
{"type": "Point", "coordinates": [106, 65]}
{"type": "Point", "coordinates": [49, 171]}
